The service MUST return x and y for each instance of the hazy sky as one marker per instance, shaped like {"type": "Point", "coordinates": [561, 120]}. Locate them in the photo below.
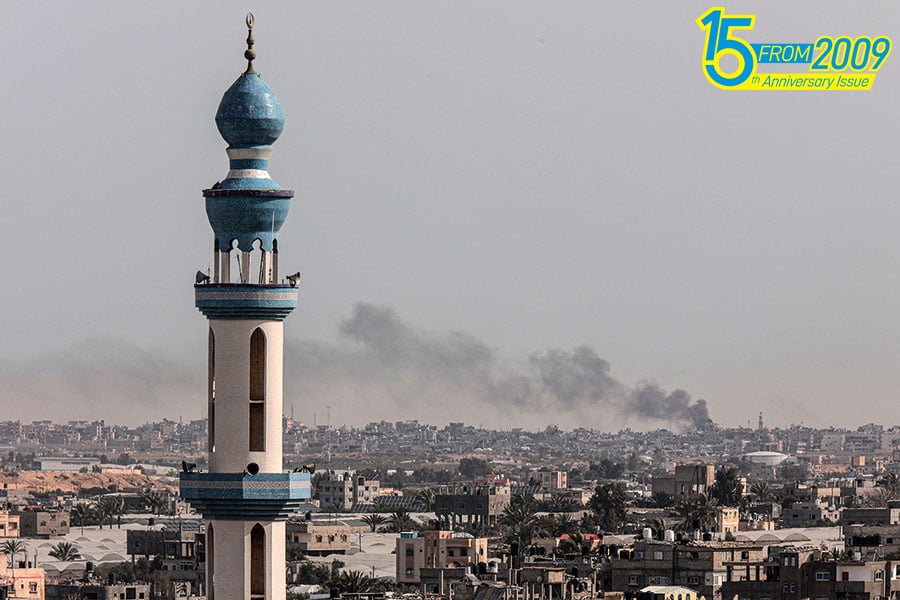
{"type": "Point", "coordinates": [531, 182]}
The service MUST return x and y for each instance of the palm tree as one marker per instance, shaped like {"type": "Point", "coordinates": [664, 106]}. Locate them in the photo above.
{"type": "Point", "coordinates": [890, 483]}
{"type": "Point", "coordinates": [355, 582]}
{"type": "Point", "coordinates": [426, 497]}
{"type": "Point", "coordinates": [13, 547]}
{"type": "Point", "coordinates": [698, 511]}
{"type": "Point", "coordinates": [154, 501]}
{"type": "Point", "coordinates": [109, 508]}
{"type": "Point", "coordinates": [576, 544]}
{"type": "Point", "coordinates": [374, 521]}
{"type": "Point", "coordinates": [519, 518]}
{"type": "Point", "coordinates": [65, 551]}
{"type": "Point", "coordinates": [762, 491]}
{"type": "Point", "coordinates": [400, 520]}
{"type": "Point", "coordinates": [81, 514]}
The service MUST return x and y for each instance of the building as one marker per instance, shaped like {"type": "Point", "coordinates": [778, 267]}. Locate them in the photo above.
{"type": "Point", "coordinates": [95, 591]}
{"type": "Point", "coordinates": [10, 524]}
{"type": "Point", "coordinates": [701, 566]}
{"type": "Point", "coordinates": [342, 490]}
{"type": "Point", "coordinates": [180, 550]}
{"type": "Point", "coordinates": [437, 550]}
{"type": "Point", "coordinates": [67, 464]}
{"type": "Point", "coordinates": [43, 524]}
{"type": "Point", "coordinates": [246, 497]}
{"type": "Point", "coordinates": [685, 481]}
{"type": "Point", "coordinates": [319, 539]}
{"type": "Point", "coordinates": [20, 581]}
{"type": "Point", "coordinates": [550, 480]}
{"type": "Point", "coordinates": [472, 504]}
{"type": "Point", "coordinates": [801, 514]}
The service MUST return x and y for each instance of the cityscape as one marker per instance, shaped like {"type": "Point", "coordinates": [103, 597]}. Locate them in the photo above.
{"type": "Point", "coordinates": [459, 186]}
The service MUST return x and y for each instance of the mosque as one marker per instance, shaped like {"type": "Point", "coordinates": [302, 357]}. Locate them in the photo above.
{"type": "Point", "coordinates": [245, 497]}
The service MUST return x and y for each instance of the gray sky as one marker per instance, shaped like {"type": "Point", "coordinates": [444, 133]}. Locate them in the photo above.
{"type": "Point", "coordinates": [534, 176]}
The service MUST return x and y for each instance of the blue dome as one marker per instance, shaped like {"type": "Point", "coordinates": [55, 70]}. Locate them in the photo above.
{"type": "Point", "coordinates": [249, 113]}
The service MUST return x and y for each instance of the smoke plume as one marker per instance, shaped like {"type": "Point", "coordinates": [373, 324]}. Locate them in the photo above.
{"type": "Point", "coordinates": [380, 368]}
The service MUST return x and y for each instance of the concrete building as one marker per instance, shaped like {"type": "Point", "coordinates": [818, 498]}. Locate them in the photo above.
{"type": "Point", "coordinates": [180, 550]}
{"type": "Point", "coordinates": [43, 524]}
{"type": "Point", "coordinates": [319, 539]}
{"type": "Point", "coordinates": [67, 464]}
{"type": "Point", "coordinates": [95, 591]}
{"type": "Point", "coordinates": [246, 497]}
{"type": "Point", "coordinates": [10, 524]}
{"type": "Point", "coordinates": [686, 480]}
{"type": "Point", "coordinates": [343, 490]}
{"type": "Point", "coordinates": [472, 504]}
{"type": "Point", "coordinates": [801, 514]}
{"type": "Point", "coordinates": [21, 581]}
{"type": "Point", "coordinates": [436, 550]}
{"type": "Point", "coordinates": [700, 566]}
{"type": "Point", "coordinates": [550, 480]}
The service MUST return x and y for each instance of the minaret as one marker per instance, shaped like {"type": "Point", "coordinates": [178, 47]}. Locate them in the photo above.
{"type": "Point", "coordinates": [245, 497]}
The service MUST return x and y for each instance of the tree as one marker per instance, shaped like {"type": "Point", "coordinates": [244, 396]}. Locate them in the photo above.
{"type": "Point", "coordinates": [354, 582]}
{"type": "Point", "coordinates": [81, 513]}
{"type": "Point", "coordinates": [12, 548]}
{"type": "Point", "coordinates": [609, 503]}
{"type": "Point", "coordinates": [154, 501]}
{"type": "Point", "coordinates": [576, 544]}
{"type": "Point", "coordinates": [890, 483]}
{"type": "Point", "coordinates": [110, 508]}
{"type": "Point", "coordinates": [698, 512]}
{"type": "Point", "coordinates": [762, 491]}
{"type": "Point", "coordinates": [401, 520]}
{"type": "Point", "coordinates": [518, 519]}
{"type": "Point", "coordinates": [426, 497]}
{"type": "Point", "coordinates": [374, 521]}
{"type": "Point", "coordinates": [663, 500]}
{"type": "Point", "coordinates": [65, 551]}
{"type": "Point", "coordinates": [728, 488]}
{"type": "Point", "coordinates": [473, 467]}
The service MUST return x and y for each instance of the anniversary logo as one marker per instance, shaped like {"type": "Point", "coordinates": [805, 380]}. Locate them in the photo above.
{"type": "Point", "coordinates": [828, 63]}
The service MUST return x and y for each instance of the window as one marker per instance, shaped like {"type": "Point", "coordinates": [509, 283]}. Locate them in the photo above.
{"type": "Point", "coordinates": [823, 576]}
{"type": "Point", "coordinates": [258, 561]}
{"type": "Point", "coordinates": [639, 554]}
{"type": "Point", "coordinates": [258, 391]}
{"type": "Point", "coordinates": [745, 555]}
{"type": "Point", "coordinates": [463, 551]}
{"type": "Point", "coordinates": [634, 579]}
{"type": "Point", "coordinates": [450, 552]}
{"type": "Point", "coordinates": [409, 571]}
{"type": "Point", "coordinates": [32, 587]}
{"type": "Point", "coordinates": [211, 392]}
{"type": "Point", "coordinates": [210, 559]}
{"type": "Point", "coordinates": [879, 575]}
{"type": "Point", "coordinates": [657, 555]}
{"type": "Point", "coordinates": [693, 580]}
{"type": "Point", "coordinates": [130, 593]}
{"type": "Point", "coordinates": [409, 551]}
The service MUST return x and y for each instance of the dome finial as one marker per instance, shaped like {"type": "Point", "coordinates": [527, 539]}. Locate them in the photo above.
{"type": "Point", "coordinates": [250, 53]}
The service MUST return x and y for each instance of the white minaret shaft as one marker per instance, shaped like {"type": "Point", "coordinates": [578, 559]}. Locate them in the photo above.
{"type": "Point", "coordinates": [245, 496]}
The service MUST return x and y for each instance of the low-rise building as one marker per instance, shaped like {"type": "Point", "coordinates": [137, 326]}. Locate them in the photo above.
{"type": "Point", "coordinates": [436, 550]}
{"type": "Point", "coordinates": [43, 524]}
{"type": "Point", "coordinates": [21, 581]}
{"type": "Point", "coordinates": [10, 525]}
{"type": "Point", "coordinates": [473, 504]}
{"type": "Point", "coordinates": [318, 539]}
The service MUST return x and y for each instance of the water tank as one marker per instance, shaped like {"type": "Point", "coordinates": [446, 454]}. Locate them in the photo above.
{"type": "Point", "coordinates": [669, 535]}
{"type": "Point", "coordinates": [648, 533]}
{"type": "Point", "coordinates": [857, 555]}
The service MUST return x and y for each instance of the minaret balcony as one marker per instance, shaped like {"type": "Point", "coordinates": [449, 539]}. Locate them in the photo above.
{"type": "Point", "coordinates": [242, 496]}
{"type": "Point", "coordinates": [245, 301]}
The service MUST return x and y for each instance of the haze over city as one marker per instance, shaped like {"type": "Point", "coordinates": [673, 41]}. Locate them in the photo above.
{"type": "Point", "coordinates": [503, 212]}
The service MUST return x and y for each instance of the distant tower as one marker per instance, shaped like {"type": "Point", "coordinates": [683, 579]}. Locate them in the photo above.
{"type": "Point", "coordinates": [760, 425]}
{"type": "Point", "coordinates": [245, 496]}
